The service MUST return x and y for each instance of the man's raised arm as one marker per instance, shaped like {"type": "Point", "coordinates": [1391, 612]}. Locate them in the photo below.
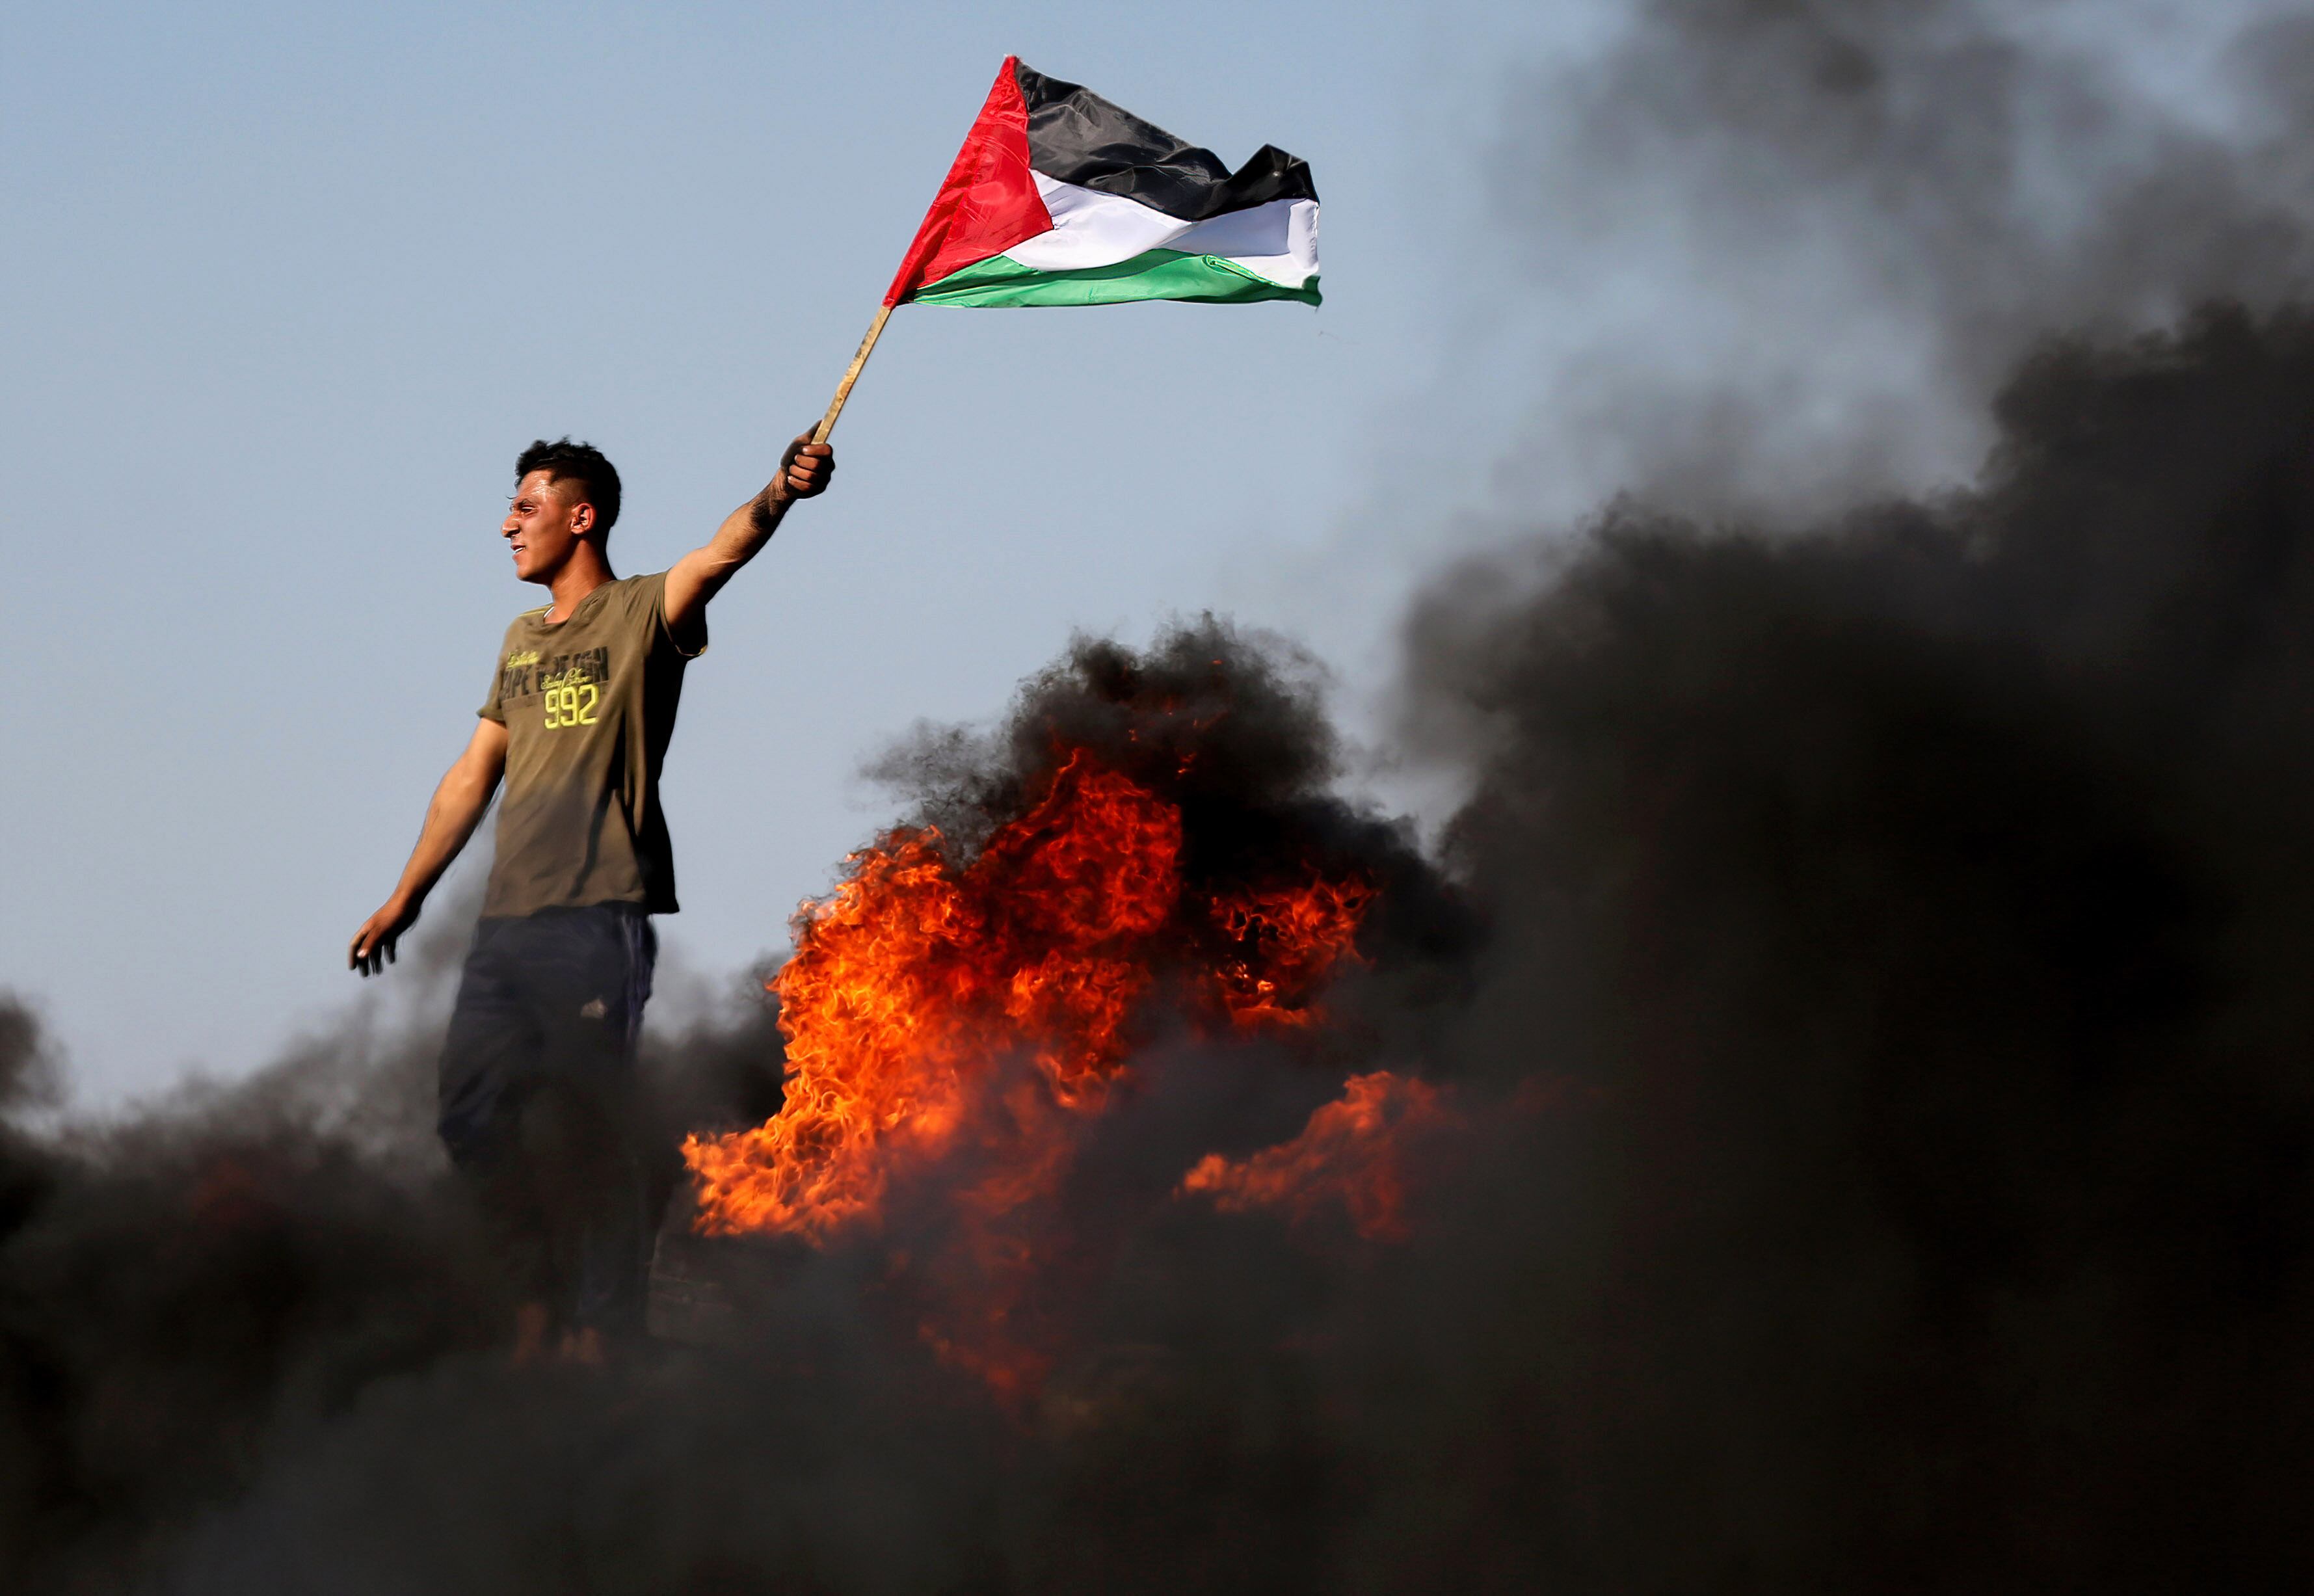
{"type": "Point", "coordinates": [450, 819]}
{"type": "Point", "coordinates": [691, 581]}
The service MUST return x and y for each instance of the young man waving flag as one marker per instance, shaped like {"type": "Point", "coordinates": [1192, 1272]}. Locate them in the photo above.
{"type": "Point", "coordinates": [537, 1074]}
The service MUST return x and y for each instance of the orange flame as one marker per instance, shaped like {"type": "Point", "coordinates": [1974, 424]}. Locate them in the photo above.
{"type": "Point", "coordinates": [1294, 937]}
{"type": "Point", "coordinates": [1351, 1152]}
{"type": "Point", "coordinates": [912, 975]}
{"type": "Point", "coordinates": [915, 979]}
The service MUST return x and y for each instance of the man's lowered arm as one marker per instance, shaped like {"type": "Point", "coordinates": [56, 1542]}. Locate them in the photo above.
{"type": "Point", "coordinates": [463, 793]}
{"type": "Point", "coordinates": [804, 472]}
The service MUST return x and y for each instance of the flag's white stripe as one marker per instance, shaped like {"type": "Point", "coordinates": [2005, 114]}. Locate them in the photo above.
{"type": "Point", "coordinates": [1291, 261]}
{"type": "Point", "coordinates": [1277, 241]}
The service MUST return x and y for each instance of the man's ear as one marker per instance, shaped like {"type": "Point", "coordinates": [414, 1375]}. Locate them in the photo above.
{"type": "Point", "coordinates": [582, 519]}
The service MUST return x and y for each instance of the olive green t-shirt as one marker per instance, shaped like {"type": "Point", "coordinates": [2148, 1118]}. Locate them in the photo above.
{"type": "Point", "coordinates": [589, 706]}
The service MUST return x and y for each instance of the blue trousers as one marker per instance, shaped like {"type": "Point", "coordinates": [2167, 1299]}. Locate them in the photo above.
{"type": "Point", "coordinates": [539, 1105]}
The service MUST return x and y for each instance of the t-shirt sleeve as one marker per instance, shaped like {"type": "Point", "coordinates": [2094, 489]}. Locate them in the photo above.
{"type": "Point", "coordinates": [662, 635]}
{"type": "Point", "coordinates": [492, 709]}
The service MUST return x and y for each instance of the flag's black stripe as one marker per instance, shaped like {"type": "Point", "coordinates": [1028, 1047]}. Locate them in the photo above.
{"type": "Point", "coordinates": [1076, 137]}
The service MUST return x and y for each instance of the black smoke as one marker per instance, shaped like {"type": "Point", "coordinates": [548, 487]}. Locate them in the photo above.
{"type": "Point", "coordinates": [1917, 907]}
{"type": "Point", "coordinates": [188, 1286]}
{"type": "Point", "coordinates": [1770, 253]}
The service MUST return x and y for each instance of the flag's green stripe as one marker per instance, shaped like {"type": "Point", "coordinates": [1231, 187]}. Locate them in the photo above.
{"type": "Point", "coordinates": [1160, 274]}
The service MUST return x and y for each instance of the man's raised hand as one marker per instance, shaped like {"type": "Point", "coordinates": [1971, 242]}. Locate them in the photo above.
{"type": "Point", "coordinates": [805, 470]}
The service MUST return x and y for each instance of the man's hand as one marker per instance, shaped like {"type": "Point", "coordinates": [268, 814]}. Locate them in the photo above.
{"type": "Point", "coordinates": [805, 470]}
{"type": "Point", "coordinates": [459, 800]}
{"type": "Point", "coordinates": [373, 944]}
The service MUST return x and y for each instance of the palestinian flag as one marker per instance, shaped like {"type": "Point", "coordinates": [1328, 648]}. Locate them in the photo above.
{"type": "Point", "coordinates": [1060, 198]}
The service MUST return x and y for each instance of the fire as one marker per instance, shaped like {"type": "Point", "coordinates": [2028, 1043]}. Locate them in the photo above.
{"type": "Point", "coordinates": [1352, 1152]}
{"type": "Point", "coordinates": [914, 976]}
{"type": "Point", "coordinates": [1294, 938]}
{"type": "Point", "coordinates": [969, 1018]}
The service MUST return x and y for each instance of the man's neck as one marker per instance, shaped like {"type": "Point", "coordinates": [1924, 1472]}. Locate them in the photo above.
{"type": "Point", "coordinates": [580, 575]}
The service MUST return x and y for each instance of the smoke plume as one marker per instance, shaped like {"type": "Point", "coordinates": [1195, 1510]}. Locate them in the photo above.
{"type": "Point", "coordinates": [1916, 903]}
{"type": "Point", "coordinates": [1777, 254]}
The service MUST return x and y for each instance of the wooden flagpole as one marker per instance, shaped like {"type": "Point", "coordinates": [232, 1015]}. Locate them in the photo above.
{"type": "Point", "coordinates": [851, 374]}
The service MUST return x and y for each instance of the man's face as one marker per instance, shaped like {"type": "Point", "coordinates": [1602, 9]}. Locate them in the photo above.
{"type": "Point", "coordinates": [545, 524]}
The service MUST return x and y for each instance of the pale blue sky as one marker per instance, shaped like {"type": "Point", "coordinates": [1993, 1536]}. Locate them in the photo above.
{"type": "Point", "coordinates": [288, 287]}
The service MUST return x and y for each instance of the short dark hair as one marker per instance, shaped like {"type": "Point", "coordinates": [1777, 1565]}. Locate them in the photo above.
{"type": "Point", "coordinates": [562, 461]}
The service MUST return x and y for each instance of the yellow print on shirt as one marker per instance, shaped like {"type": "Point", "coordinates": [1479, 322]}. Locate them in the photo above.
{"type": "Point", "coordinates": [568, 687]}
{"type": "Point", "coordinates": [569, 698]}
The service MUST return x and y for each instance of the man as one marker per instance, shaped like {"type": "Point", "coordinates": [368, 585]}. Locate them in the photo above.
{"type": "Point", "coordinates": [538, 1072]}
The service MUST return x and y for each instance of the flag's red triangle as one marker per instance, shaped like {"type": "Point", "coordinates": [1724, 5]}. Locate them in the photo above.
{"type": "Point", "coordinates": [989, 202]}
